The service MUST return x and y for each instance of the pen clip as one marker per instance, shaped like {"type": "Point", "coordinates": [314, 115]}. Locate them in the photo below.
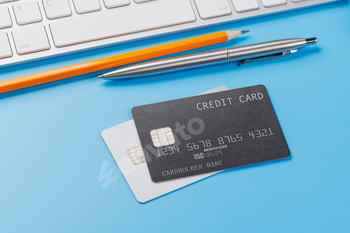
{"type": "Point", "coordinates": [276, 55]}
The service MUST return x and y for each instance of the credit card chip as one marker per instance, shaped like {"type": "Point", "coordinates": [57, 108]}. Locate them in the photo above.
{"type": "Point", "coordinates": [136, 155]}
{"type": "Point", "coordinates": [162, 137]}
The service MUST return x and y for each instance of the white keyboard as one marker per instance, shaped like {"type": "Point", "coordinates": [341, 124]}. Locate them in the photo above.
{"type": "Point", "coordinates": [37, 29]}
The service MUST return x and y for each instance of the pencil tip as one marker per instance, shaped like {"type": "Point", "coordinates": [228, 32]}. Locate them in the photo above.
{"type": "Point", "coordinates": [234, 34]}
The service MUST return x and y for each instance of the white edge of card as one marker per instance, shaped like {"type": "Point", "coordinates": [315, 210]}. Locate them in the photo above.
{"type": "Point", "coordinates": [105, 133]}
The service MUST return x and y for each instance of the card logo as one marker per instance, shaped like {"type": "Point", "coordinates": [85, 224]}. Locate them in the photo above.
{"type": "Point", "coordinates": [162, 137]}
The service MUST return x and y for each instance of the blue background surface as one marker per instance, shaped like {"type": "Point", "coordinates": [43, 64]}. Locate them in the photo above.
{"type": "Point", "coordinates": [51, 150]}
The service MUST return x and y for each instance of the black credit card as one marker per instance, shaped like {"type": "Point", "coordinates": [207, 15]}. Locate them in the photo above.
{"type": "Point", "coordinates": [209, 133]}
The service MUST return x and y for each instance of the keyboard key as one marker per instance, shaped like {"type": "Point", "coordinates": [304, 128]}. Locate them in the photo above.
{"type": "Point", "coordinates": [141, 1]}
{"type": "Point", "coordinates": [270, 3]}
{"type": "Point", "coordinates": [3, 1]}
{"type": "Point", "coordinates": [116, 3]}
{"type": "Point", "coordinates": [57, 8]}
{"type": "Point", "coordinates": [213, 8]}
{"type": "Point", "coordinates": [245, 5]}
{"type": "Point", "coordinates": [86, 6]}
{"type": "Point", "coordinates": [27, 12]}
{"type": "Point", "coordinates": [5, 48]}
{"type": "Point", "coordinates": [5, 19]}
{"type": "Point", "coordinates": [30, 39]}
{"type": "Point", "coordinates": [142, 17]}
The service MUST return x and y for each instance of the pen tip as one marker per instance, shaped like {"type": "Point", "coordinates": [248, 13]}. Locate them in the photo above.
{"type": "Point", "coordinates": [101, 76]}
{"type": "Point", "coordinates": [244, 31]}
{"type": "Point", "coordinates": [312, 40]}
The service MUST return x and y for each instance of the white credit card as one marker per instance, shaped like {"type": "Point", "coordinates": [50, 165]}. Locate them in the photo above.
{"type": "Point", "coordinates": [124, 144]}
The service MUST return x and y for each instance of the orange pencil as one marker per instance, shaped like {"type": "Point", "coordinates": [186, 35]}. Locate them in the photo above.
{"type": "Point", "coordinates": [118, 60]}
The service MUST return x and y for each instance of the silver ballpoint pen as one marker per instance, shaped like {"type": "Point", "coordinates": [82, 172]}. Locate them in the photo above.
{"type": "Point", "coordinates": [243, 54]}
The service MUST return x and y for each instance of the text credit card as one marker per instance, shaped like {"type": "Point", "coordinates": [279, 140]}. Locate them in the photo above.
{"type": "Point", "coordinates": [209, 133]}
